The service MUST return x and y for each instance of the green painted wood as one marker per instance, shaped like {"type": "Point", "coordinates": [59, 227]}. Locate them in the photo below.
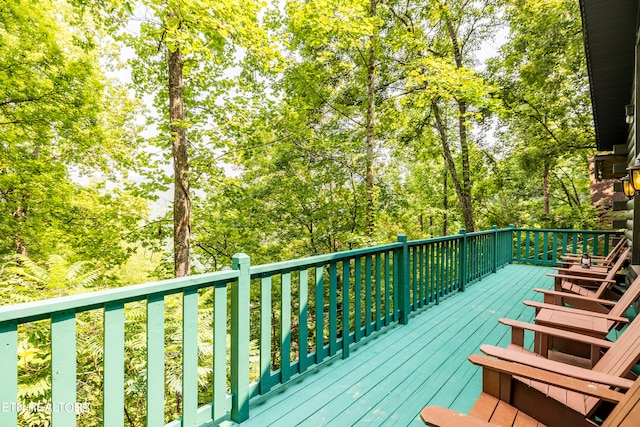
{"type": "Point", "coordinates": [387, 289]}
{"type": "Point", "coordinates": [9, 383]}
{"type": "Point", "coordinates": [219, 407]}
{"type": "Point", "coordinates": [319, 288]}
{"type": "Point", "coordinates": [333, 309]}
{"type": "Point", "coordinates": [303, 339]}
{"type": "Point", "coordinates": [155, 361]}
{"type": "Point", "coordinates": [297, 264]}
{"type": "Point", "coordinates": [413, 262]}
{"type": "Point", "coordinates": [367, 296]}
{"type": "Point", "coordinates": [596, 244]}
{"type": "Point", "coordinates": [357, 303]}
{"type": "Point", "coordinates": [285, 328]}
{"type": "Point", "coordinates": [63, 368]}
{"type": "Point", "coordinates": [378, 269]}
{"type": "Point", "coordinates": [554, 249]}
{"type": "Point", "coordinates": [574, 242]}
{"type": "Point", "coordinates": [346, 339]}
{"type": "Point", "coordinates": [265, 334]}
{"type": "Point", "coordinates": [240, 291]}
{"type": "Point", "coordinates": [190, 357]}
{"type": "Point", "coordinates": [384, 384]}
{"type": "Point", "coordinates": [536, 247]}
{"type": "Point", "coordinates": [420, 274]}
{"type": "Point", "coordinates": [396, 285]}
{"type": "Point", "coordinates": [113, 410]}
{"type": "Point", "coordinates": [403, 279]}
{"type": "Point", "coordinates": [38, 310]}
{"type": "Point", "coordinates": [432, 274]}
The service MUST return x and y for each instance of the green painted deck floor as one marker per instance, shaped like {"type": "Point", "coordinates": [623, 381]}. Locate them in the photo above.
{"type": "Point", "coordinates": [389, 378]}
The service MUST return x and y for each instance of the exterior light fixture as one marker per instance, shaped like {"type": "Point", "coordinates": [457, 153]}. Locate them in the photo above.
{"type": "Point", "coordinates": [585, 261]}
{"type": "Point", "coordinates": [629, 111]}
{"type": "Point", "coordinates": [627, 186]}
{"type": "Point", "coordinates": [634, 176]}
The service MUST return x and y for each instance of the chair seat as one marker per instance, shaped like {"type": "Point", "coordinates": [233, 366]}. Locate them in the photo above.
{"type": "Point", "coordinates": [576, 401]}
{"type": "Point", "coordinates": [491, 409]}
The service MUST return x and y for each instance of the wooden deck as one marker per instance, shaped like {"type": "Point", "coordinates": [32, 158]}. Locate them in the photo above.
{"type": "Point", "coordinates": [389, 378]}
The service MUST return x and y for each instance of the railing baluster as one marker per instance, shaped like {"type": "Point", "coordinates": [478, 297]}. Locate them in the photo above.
{"type": "Point", "coordinates": [303, 338]}
{"type": "Point", "coordinates": [346, 339]}
{"type": "Point", "coordinates": [387, 289]}
{"type": "Point", "coordinates": [333, 309]}
{"type": "Point", "coordinates": [319, 314]}
{"type": "Point", "coordinates": [63, 368]}
{"type": "Point", "coordinates": [367, 295]}
{"type": "Point", "coordinates": [189, 357]}
{"type": "Point", "coordinates": [113, 364]}
{"type": "Point", "coordinates": [285, 328]}
{"type": "Point", "coordinates": [155, 361]}
{"type": "Point", "coordinates": [378, 293]}
{"type": "Point", "coordinates": [220, 351]}
{"type": "Point", "coordinates": [9, 383]}
{"type": "Point", "coordinates": [265, 334]}
{"type": "Point", "coordinates": [357, 303]}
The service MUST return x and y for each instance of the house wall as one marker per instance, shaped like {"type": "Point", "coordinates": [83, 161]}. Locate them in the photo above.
{"type": "Point", "coordinates": [633, 205]}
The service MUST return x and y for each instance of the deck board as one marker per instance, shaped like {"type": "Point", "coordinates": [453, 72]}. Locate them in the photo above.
{"type": "Point", "coordinates": [389, 377]}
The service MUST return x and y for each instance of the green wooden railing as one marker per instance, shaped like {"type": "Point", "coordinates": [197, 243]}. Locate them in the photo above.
{"type": "Point", "coordinates": [271, 323]}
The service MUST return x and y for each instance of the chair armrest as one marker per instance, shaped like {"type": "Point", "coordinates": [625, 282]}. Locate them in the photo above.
{"type": "Point", "coordinates": [540, 305]}
{"type": "Point", "coordinates": [437, 416]}
{"type": "Point", "coordinates": [569, 278]}
{"type": "Point", "coordinates": [575, 297]}
{"type": "Point", "coordinates": [547, 330]}
{"type": "Point", "coordinates": [555, 367]}
{"type": "Point", "coordinates": [587, 272]}
{"type": "Point", "coordinates": [569, 382]}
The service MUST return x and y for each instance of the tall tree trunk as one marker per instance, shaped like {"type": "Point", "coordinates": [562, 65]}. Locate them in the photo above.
{"type": "Point", "coordinates": [371, 103]}
{"type": "Point", "coordinates": [465, 198]}
{"type": "Point", "coordinates": [445, 199]}
{"type": "Point", "coordinates": [181, 198]}
{"type": "Point", "coordinates": [465, 193]}
{"type": "Point", "coordinates": [444, 138]}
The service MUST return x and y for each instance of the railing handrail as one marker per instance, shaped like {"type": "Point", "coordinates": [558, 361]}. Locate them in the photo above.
{"type": "Point", "coordinates": [42, 309]}
{"type": "Point", "coordinates": [312, 261]}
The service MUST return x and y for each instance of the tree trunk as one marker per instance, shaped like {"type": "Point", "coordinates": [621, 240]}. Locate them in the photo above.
{"type": "Point", "coordinates": [371, 100]}
{"type": "Point", "coordinates": [181, 198]}
{"type": "Point", "coordinates": [445, 200]}
{"type": "Point", "coordinates": [465, 199]}
{"type": "Point", "coordinates": [465, 193]}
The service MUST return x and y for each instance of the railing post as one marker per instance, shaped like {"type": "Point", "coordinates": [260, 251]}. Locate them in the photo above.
{"type": "Point", "coordinates": [403, 278]}
{"type": "Point", "coordinates": [240, 291]}
{"type": "Point", "coordinates": [463, 259]}
{"type": "Point", "coordinates": [495, 248]}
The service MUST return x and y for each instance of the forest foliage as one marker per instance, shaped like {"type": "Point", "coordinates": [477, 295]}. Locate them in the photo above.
{"type": "Point", "coordinates": [309, 127]}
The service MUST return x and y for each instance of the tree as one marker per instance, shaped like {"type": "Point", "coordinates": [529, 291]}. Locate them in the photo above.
{"type": "Point", "coordinates": [56, 131]}
{"type": "Point", "coordinates": [544, 84]}
{"type": "Point", "coordinates": [184, 52]}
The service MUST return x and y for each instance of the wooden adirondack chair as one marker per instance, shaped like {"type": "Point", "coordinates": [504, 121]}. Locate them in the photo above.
{"type": "Point", "coordinates": [499, 404]}
{"type": "Point", "coordinates": [604, 261]}
{"type": "Point", "coordinates": [539, 399]}
{"type": "Point", "coordinates": [598, 321]}
{"type": "Point", "coordinates": [584, 282]}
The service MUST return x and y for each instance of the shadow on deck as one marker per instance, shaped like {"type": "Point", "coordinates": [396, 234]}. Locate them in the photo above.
{"type": "Point", "coordinates": [389, 378]}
